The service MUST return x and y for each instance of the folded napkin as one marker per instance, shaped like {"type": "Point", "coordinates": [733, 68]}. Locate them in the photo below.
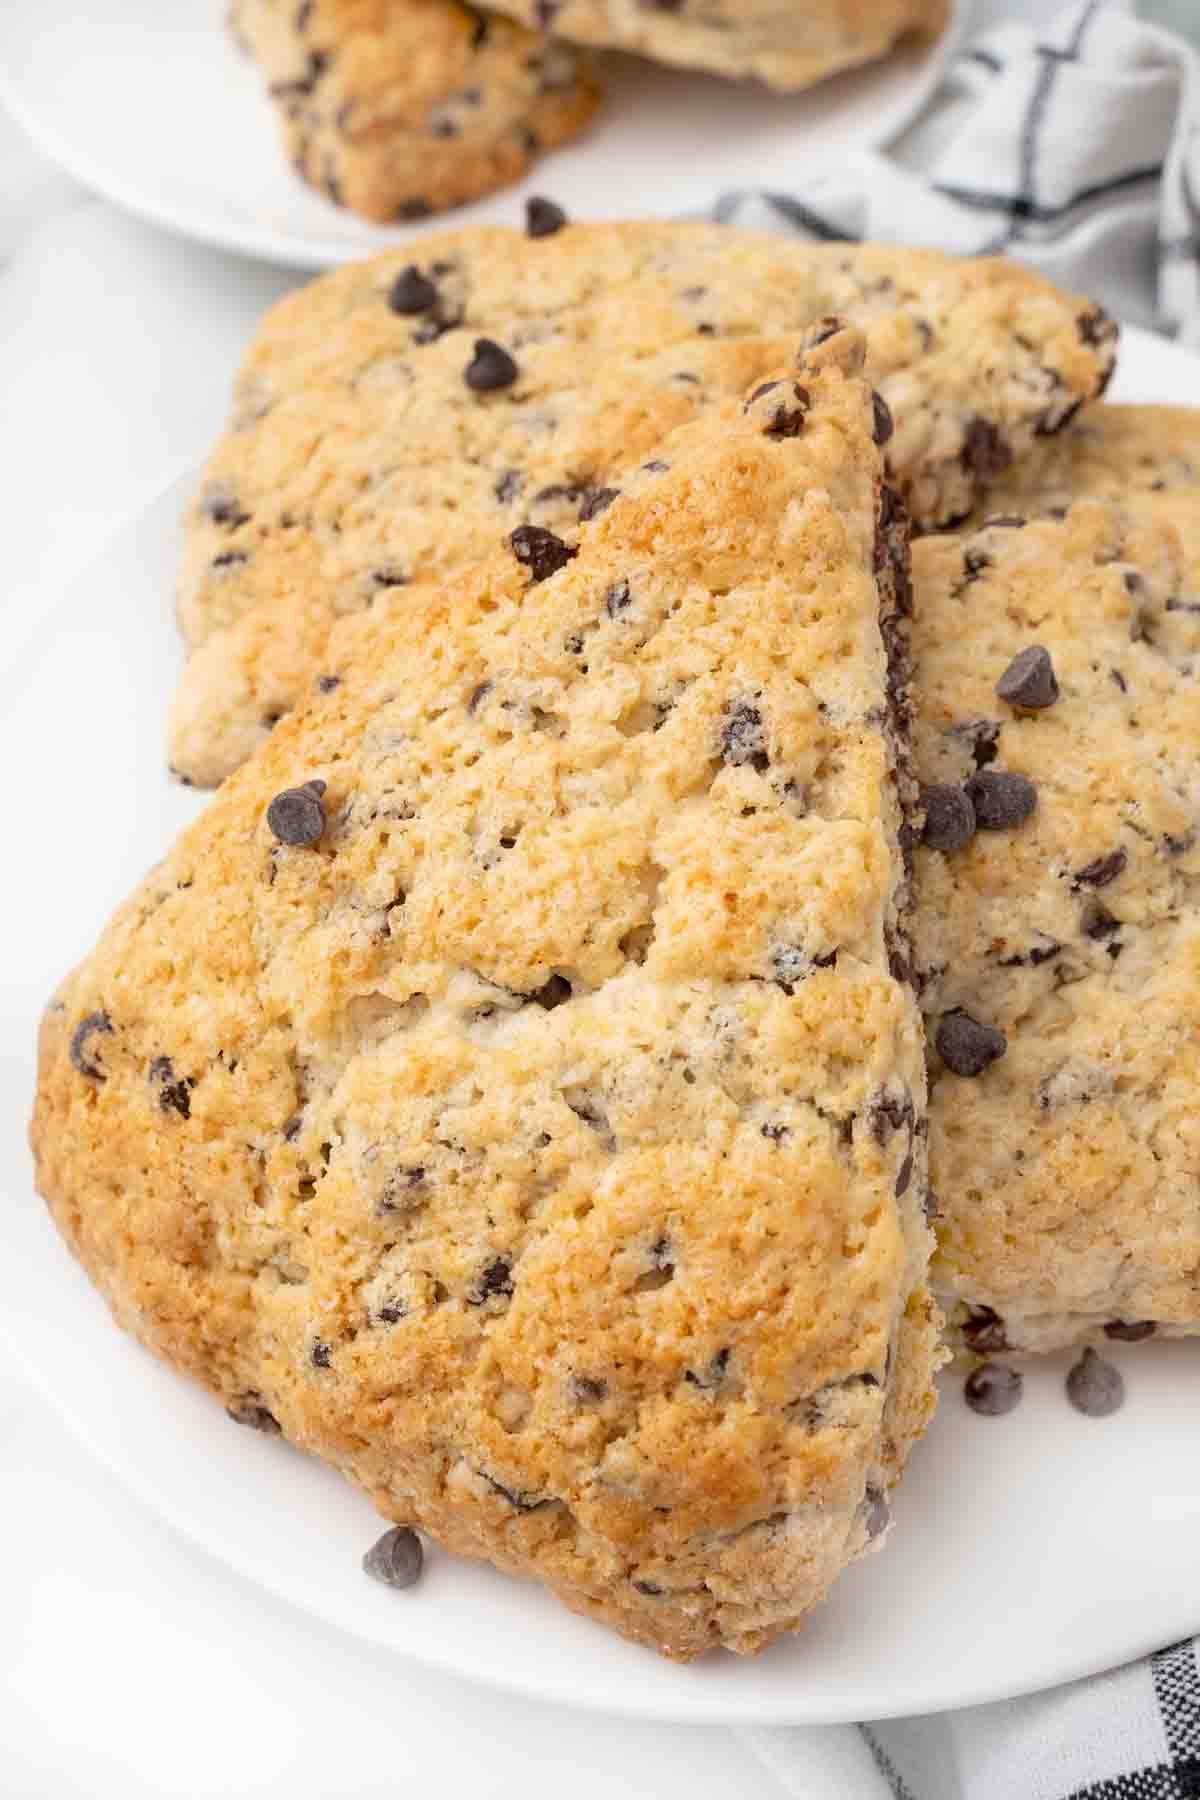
{"type": "Point", "coordinates": [1074, 146]}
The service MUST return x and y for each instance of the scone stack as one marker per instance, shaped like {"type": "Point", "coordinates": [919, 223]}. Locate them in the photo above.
{"type": "Point", "coordinates": [647, 901]}
{"type": "Point", "coordinates": [403, 108]}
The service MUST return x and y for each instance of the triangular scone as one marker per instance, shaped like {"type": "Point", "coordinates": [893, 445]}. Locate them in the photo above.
{"type": "Point", "coordinates": [393, 419]}
{"type": "Point", "coordinates": [538, 1133]}
{"type": "Point", "coordinates": [1058, 944]}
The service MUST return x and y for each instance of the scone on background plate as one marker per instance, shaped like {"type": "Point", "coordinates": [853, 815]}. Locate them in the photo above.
{"type": "Point", "coordinates": [787, 43]}
{"type": "Point", "coordinates": [392, 419]}
{"type": "Point", "coordinates": [402, 108]}
{"type": "Point", "coordinates": [510, 1084]}
{"type": "Point", "coordinates": [1057, 932]}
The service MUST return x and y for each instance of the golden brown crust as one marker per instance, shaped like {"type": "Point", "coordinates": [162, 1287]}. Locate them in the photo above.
{"type": "Point", "coordinates": [358, 457]}
{"type": "Point", "coordinates": [542, 1143]}
{"type": "Point", "coordinates": [400, 108]}
{"type": "Point", "coordinates": [1065, 1173]}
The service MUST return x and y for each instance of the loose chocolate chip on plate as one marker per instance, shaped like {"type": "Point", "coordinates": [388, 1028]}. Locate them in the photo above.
{"type": "Point", "coordinates": [1001, 799]}
{"type": "Point", "coordinates": [883, 424]}
{"type": "Point", "coordinates": [1095, 1387]}
{"type": "Point", "coordinates": [983, 1331]}
{"type": "Point", "coordinates": [966, 1046]}
{"type": "Point", "coordinates": [1104, 869]}
{"type": "Point", "coordinates": [250, 1411]}
{"type": "Point", "coordinates": [993, 1389]}
{"type": "Point", "coordinates": [1029, 680]}
{"type": "Point", "coordinates": [949, 817]}
{"type": "Point", "coordinates": [1130, 1331]}
{"type": "Point", "coordinates": [412, 292]}
{"type": "Point", "coordinates": [490, 368]}
{"type": "Point", "coordinates": [542, 217]}
{"type": "Point", "coordinates": [95, 1022]}
{"type": "Point", "coordinates": [541, 552]}
{"type": "Point", "coordinates": [396, 1559]}
{"type": "Point", "coordinates": [296, 816]}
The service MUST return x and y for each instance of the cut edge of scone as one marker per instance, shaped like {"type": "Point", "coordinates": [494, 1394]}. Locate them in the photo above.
{"type": "Point", "coordinates": [501, 1137]}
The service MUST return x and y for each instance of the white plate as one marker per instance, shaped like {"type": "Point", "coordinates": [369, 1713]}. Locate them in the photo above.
{"type": "Point", "coordinates": [1028, 1550]}
{"type": "Point", "coordinates": [149, 102]}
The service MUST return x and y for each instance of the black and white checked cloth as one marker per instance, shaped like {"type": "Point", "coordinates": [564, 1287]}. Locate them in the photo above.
{"type": "Point", "coordinates": [1075, 146]}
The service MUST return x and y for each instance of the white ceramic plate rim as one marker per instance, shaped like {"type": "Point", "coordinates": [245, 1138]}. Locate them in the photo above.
{"type": "Point", "coordinates": [127, 1393]}
{"type": "Point", "coordinates": [91, 162]}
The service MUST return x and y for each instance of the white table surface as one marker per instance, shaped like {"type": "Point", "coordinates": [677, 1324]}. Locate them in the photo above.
{"type": "Point", "coordinates": [131, 1665]}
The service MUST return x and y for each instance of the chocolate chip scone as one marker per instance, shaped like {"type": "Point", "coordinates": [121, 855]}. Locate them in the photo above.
{"type": "Point", "coordinates": [503, 1088]}
{"type": "Point", "coordinates": [393, 418]}
{"type": "Point", "coordinates": [785, 43]}
{"type": "Point", "coordinates": [402, 108]}
{"type": "Point", "coordinates": [1058, 934]}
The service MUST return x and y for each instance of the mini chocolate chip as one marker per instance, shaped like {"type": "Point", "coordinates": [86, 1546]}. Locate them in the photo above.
{"type": "Point", "coordinates": [788, 415]}
{"type": "Point", "coordinates": [617, 598]}
{"type": "Point", "coordinates": [949, 817]}
{"type": "Point", "coordinates": [1095, 1387]}
{"type": "Point", "coordinates": [508, 486]}
{"type": "Point", "coordinates": [220, 504]}
{"type": "Point", "coordinates": [586, 1390]}
{"type": "Point", "coordinates": [396, 1559]}
{"type": "Point", "coordinates": [712, 1375]}
{"type": "Point", "coordinates": [229, 559]}
{"type": "Point", "coordinates": [1029, 680]}
{"type": "Point", "coordinates": [650, 1588]}
{"type": "Point", "coordinates": [983, 1331]}
{"type": "Point", "coordinates": [542, 217]}
{"type": "Point", "coordinates": [985, 452]}
{"type": "Point", "coordinates": [1099, 923]}
{"type": "Point", "coordinates": [904, 1176]}
{"type": "Point", "coordinates": [1120, 680]}
{"type": "Point", "coordinates": [319, 1354]}
{"type": "Point", "coordinates": [491, 367]}
{"type": "Point", "coordinates": [882, 418]}
{"type": "Point", "coordinates": [596, 501]}
{"type": "Point", "coordinates": [493, 1281]}
{"type": "Point", "coordinates": [412, 292]}
{"type": "Point", "coordinates": [773, 1131]}
{"type": "Point", "coordinates": [541, 552]}
{"type": "Point", "coordinates": [327, 683]}
{"type": "Point", "coordinates": [743, 739]}
{"type": "Point", "coordinates": [553, 993]}
{"type": "Point", "coordinates": [1101, 871]}
{"type": "Point", "coordinates": [888, 1114]}
{"type": "Point", "coordinates": [1130, 1331]}
{"type": "Point", "coordinates": [1001, 799]}
{"type": "Point", "coordinates": [877, 1514]}
{"type": "Point", "coordinates": [93, 1023]}
{"type": "Point", "coordinates": [249, 1410]}
{"type": "Point", "coordinates": [390, 576]}
{"type": "Point", "coordinates": [391, 1312]}
{"type": "Point", "coordinates": [993, 1389]}
{"type": "Point", "coordinates": [296, 816]}
{"type": "Point", "coordinates": [966, 1046]}
{"type": "Point", "coordinates": [173, 1096]}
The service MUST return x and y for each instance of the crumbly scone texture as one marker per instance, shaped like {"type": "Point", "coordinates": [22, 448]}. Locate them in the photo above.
{"type": "Point", "coordinates": [543, 1145]}
{"type": "Point", "coordinates": [1064, 1175]}
{"type": "Point", "coordinates": [780, 42]}
{"type": "Point", "coordinates": [1111, 451]}
{"type": "Point", "coordinates": [359, 463]}
{"type": "Point", "coordinates": [402, 108]}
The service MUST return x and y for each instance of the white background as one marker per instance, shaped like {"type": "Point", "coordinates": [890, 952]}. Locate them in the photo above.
{"type": "Point", "coordinates": [131, 1666]}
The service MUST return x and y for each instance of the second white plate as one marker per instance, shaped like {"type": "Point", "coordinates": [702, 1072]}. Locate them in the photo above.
{"type": "Point", "coordinates": [149, 102]}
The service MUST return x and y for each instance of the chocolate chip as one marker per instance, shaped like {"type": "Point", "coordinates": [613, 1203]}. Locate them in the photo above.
{"type": "Point", "coordinates": [554, 993]}
{"type": "Point", "coordinates": [1131, 1331]}
{"type": "Point", "coordinates": [249, 1410]}
{"type": "Point", "coordinates": [617, 598]}
{"type": "Point", "coordinates": [966, 1046]}
{"type": "Point", "coordinates": [1001, 799]}
{"type": "Point", "coordinates": [596, 501]}
{"type": "Point", "coordinates": [1095, 1387]}
{"type": "Point", "coordinates": [1095, 327]}
{"type": "Point", "coordinates": [877, 1514]}
{"type": "Point", "coordinates": [412, 292]}
{"type": "Point", "coordinates": [585, 1390]}
{"type": "Point", "coordinates": [220, 504]}
{"type": "Point", "coordinates": [494, 1281]}
{"type": "Point", "coordinates": [882, 419]}
{"type": "Point", "coordinates": [508, 486]}
{"type": "Point", "coordinates": [491, 367]}
{"type": "Point", "coordinates": [319, 1355]}
{"type": "Point", "coordinates": [415, 208]}
{"type": "Point", "coordinates": [743, 739]}
{"type": "Point", "coordinates": [983, 1331]}
{"type": "Point", "coordinates": [542, 217]}
{"type": "Point", "coordinates": [949, 817]}
{"type": "Point", "coordinates": [522, 1503]}
{"type": "Point", "coordinates": [904, 1176]}
{"type": "Point", "coordinates": [229, 559]}
{"type": "Point", "coordinates": [821, 330]}
{"type": "Point", "coordinates": [712, 1375]}
{"type": "Point", "coordinates": [889, 1113]}
{"type": "Point", "coordinates": [390, 576]}
{"type": "Point", "coordinates": [1029, 680]}
{"type": "Point", "coordinates": [327, 683]}
{"type": "Point", "coordinates": [478, 695]}
{"type": "Point", "coordinates": [296, 816]}
{"type": "Point", "coordinates": [96, 1022]}
{"type": "Point", "coordinates": [396, 1559]}
{"type": "Point", "coordinates": [1099, 873]}
{"type": "Point", "coordinates": [985, 452]}
{"type": "Point", "coordinates": [650, 1588]}
{"type": "Point", "coordinates": [786, 416]}
{"type": "Point", "coordinates": [173, 1096]}
{"type": "Point", "coordinates": [993, 1389]}
{"type": "Point", "coordinates": [541, 552]}
{"type": "Point", "coordinates": [1099, 923]}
